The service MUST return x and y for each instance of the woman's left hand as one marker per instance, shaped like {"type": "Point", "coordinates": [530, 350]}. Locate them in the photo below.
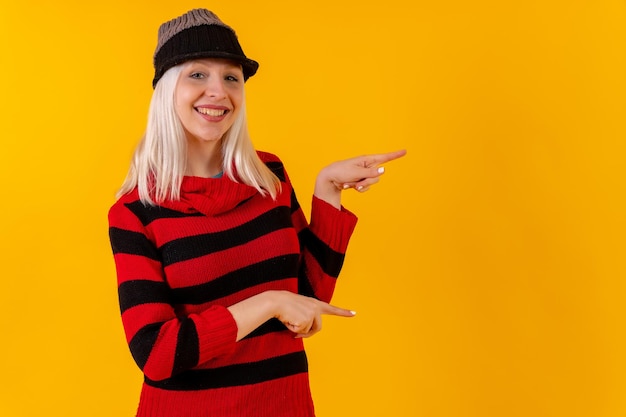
{"type": "Point", "coordinates": [359, 173]}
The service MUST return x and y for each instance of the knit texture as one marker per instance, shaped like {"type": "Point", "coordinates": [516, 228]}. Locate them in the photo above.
{"type": "Point", "coordinates": [181, 264]}
{"type": "Point", "coordinates": [195, 17]}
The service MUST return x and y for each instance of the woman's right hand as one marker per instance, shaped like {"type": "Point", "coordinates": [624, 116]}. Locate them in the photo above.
{"type": "Point", "coordinates": [303, 315]}
{"type": "Point", "coordinates": [300, 314]}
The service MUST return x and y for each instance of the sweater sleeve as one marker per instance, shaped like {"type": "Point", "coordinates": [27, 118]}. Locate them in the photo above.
{"type": "Point", "coordinates": [323, 245]}
{"type": "Point", "coordinates": [162, 343]}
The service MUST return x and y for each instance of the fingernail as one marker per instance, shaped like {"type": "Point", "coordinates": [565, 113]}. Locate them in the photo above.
{"type": "Point", "coordinates": [381, 170]}
{"type": "Point", "coordinates": [359, 188]}
{"type": "Point", "coordinates": [353, 312]}
{"type": "Point", "coordinates": [345, 186]}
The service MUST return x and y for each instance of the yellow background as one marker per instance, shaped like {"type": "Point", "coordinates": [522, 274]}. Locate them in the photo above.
{"type": "Point", "coordinates": [488, 268]}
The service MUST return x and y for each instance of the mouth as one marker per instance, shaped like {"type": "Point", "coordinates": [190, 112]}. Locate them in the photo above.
{"type": "Point", "coordinates": [211, 112]}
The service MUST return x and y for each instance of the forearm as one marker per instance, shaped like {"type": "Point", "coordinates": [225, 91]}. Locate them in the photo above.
{"type": "Point", "coordinates": [324, 242]}
{"type": "Point", "coordinates": [252, 312]}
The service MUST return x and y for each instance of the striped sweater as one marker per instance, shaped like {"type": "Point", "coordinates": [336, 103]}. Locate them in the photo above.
{"type": "Point", "coordinates": [182, 263]}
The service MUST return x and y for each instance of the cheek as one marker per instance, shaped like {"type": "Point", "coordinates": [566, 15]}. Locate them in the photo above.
{"type": "Point", "coordinates": [183, 104]}
{"type": "Point", "coordinates": [178, 109]}
{"type": "Point", "coordinates": [236, 97]}
{"type": "Point", "coordinates": [184, 95]}
{"type": "Point", "coordinates": [179, 99]}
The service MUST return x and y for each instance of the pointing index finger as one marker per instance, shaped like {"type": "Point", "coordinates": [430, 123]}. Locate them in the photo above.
{"type": "Point", "coordinates": [336, 311]}
{"type": "Point", "coordinates": [385, 157]}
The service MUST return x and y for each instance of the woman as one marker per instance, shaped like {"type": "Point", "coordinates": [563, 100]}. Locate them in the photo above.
{"type": "Point", "coordinates": [219, 274]}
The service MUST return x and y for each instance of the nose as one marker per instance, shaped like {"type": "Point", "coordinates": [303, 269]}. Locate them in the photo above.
{"type": "Point", "coordinates": [215, 88]}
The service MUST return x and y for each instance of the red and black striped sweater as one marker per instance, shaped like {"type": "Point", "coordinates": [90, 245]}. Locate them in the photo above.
{"type": "Point", "coordinates": [180, 264]}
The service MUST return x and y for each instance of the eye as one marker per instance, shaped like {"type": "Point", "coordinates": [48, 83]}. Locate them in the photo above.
{"type": "Point", "coordinates": [196, 75]}
{"type": "Point", "coordinates": [232, 78]}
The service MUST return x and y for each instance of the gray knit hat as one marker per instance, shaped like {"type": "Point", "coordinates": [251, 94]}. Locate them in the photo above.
{"type": "Point", "coordinates": [199, 33]}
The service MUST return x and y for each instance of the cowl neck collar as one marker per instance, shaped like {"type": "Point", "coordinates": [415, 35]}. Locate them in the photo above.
{"type": "Point", "coordinates": [210, 196]}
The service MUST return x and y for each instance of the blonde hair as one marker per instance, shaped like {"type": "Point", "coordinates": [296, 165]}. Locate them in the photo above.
{"type": "Point", "coordinates": [158, 165]}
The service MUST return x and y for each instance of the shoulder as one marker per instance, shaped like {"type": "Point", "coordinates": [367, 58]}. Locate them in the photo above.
{"type": "Point", "coordinates": [274, 163]}
{"type": "Point", "coordinates": [267, 157]}
{"type": "Point", "coordinates": [120, 208]}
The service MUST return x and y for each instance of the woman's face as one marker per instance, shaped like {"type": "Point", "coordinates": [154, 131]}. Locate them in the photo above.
{"type": "Point", "coordinates": [208, 97]}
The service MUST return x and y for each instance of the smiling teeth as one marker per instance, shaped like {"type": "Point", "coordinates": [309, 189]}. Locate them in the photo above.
{"type": "Point", "coordinates": [211, 112]}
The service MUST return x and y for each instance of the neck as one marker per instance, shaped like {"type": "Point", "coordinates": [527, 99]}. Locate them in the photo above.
{"type": "Point", "coordinates": [203, 159]}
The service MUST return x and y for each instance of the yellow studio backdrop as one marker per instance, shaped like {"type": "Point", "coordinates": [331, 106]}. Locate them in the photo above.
{"type": "Point", "coordinates": [488, 267]}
